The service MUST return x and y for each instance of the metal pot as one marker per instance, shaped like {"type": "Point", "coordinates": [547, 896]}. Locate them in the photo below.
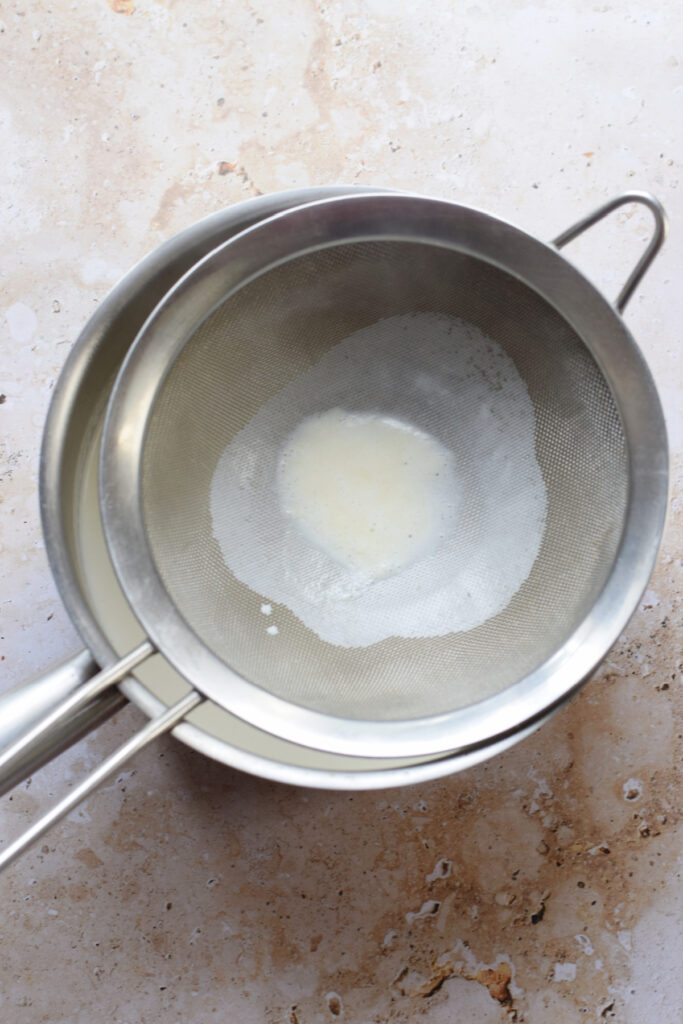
{"type": "Point", "coordinates": [72, 541]}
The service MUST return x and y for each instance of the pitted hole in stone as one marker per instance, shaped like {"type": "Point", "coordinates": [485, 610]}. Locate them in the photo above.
{"type": "Point", "coordinates": [428, 909]}
{"type": "Point", "coordinates": [442, 869]}
{"type": "Point", "coordinates": [334, 1003]}
{"type": "Point", "coordinates": [632, 789]}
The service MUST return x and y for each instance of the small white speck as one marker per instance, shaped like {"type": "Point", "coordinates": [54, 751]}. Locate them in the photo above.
{"type": "Point", "coordinates": [267, 609]}
{"type": "Point", "coordinates": [53, 913]}
{"type": "Point", "coordinates": [564, 972]}
{"type": "Point", "coordinates": [272, 630]}
{"type": "Point", "coordinates": [585, 944]}
{"type": "Point", "coordinates": [624, 939]}
{"type": "Point", "coordinates": [388, 939]}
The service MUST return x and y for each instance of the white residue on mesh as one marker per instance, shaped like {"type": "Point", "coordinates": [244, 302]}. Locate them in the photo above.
{"type": "Point", "coordinates": [442, 377]}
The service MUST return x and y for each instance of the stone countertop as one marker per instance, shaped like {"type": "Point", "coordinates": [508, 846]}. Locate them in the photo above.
{"type": "Point", "coordinates": [542, 885]}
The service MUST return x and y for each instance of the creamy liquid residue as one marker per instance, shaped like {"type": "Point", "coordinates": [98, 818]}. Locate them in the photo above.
{"type": "Point", "coordinates": [373, 493]}
{"type": "Point", "coordinates": [390, 490]}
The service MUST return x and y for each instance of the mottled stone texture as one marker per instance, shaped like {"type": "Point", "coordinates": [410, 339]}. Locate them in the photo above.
{"type": "Point", "coordinates": [541, 886]}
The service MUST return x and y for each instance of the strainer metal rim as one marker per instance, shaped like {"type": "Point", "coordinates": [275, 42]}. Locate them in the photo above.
{"type": "Point", "coordinates": [370, 217]}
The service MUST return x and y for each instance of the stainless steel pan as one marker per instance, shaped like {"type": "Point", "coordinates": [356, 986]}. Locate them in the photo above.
{"type": "Point", "coordinates": [72, 542]}
{"type": "Point", "coordinates": [70, 514]}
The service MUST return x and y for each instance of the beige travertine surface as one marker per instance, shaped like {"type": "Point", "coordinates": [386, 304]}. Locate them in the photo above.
{"type": "Point", "coordinates": [544, 885]}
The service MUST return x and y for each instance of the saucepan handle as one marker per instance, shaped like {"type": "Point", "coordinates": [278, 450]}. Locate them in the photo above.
{"type": "Point", "coordinates": [41, 718]}
{"type": "Point", "coordinates": [653, 247]}
{"type": "Point", "coordinates": [21, 707]}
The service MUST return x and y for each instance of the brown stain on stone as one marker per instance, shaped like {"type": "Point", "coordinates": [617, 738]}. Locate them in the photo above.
{"type": "Point", "coordinates": [497, 981]}
{"type": "Point", "coordinates": [78, 892]}
{"type": "Point", "coordinates": [228, 167]}
{"type": "Point", "coordinates": [175, 195]}
{"type": "Point", "coordinates": [89, 858]}
{"type": "Point", "coordinates": [440, 973]}
{"type": "Point", "coordinates": [122, 6]}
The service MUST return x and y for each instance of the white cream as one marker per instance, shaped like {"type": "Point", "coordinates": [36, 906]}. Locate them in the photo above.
{"type": "Point", "coordinates": [374, 493]}
{"type": "Point", "coordinates": [328, 500]}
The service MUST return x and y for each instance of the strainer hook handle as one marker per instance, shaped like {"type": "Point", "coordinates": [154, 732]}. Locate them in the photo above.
{"type": "Point", "coordinates": [653, 247]}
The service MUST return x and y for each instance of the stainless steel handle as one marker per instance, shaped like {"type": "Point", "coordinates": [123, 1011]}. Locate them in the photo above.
{"type": "Point", "coordinates": [24, 705]}
{"type": "Point", "coordinates": [154, 728]}
{"type": "Point", "coordinates": [43, 723]}
{"type": "Point", "coordinates": [654, 245]}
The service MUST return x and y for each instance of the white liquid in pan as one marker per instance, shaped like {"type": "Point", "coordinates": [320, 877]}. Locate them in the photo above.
{"type": "Point", "coordinates": [391, 490]}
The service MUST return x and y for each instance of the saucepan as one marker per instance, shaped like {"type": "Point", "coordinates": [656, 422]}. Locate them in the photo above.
{"type": "Point", "coordinates": [540, 298]}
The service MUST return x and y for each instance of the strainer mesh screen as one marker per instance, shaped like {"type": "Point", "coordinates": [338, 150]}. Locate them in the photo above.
{"type": "Point", "coordinates": [280, 325]}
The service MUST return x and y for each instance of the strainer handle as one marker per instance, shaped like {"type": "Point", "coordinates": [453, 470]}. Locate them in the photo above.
{"type": "Point", "coordinates": [156, 727]}
{"type": "Point", "coordinates": [653, 247]}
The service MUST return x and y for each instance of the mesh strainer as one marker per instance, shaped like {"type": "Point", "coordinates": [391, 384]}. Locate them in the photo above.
{"type": "Point", "coordinates": [257, 314]}
{"type": "Point", "coordinates": [262, 310]}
